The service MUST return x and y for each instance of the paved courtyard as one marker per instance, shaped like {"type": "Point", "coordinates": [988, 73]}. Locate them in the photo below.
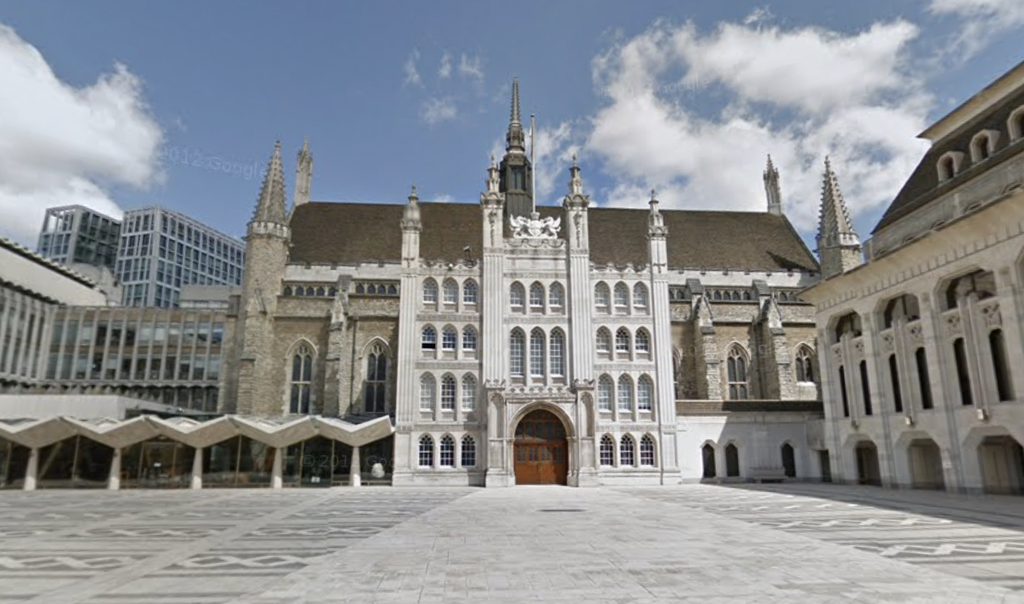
{"type": "Point", "coordinates": [708, 544]}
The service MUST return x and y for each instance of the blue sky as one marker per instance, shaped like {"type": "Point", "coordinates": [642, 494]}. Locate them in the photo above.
{"type": "Point", "coordinates": [122, 104]}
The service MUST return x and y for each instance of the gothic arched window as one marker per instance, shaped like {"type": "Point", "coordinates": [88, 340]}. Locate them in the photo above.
{"type": "Point", "coordinates": [449, 338]}
{"type": "Point", "coordinates": [428, 392]}
{"type": "Point", "coordinates": [736, 368]}
{"type": "Point", "coordinates": [627, 451]}
{"type": "Point", "coordinates": [451, 292]}
{"type": "Point", "coordinates": [604, 342]}
{"type": "Point", "coordinates": [375, 385]}
{"type": "Point", "coordinates": [517, 297]}
{"type": "Point", "coordinates": [430, 292]}
{"type": "Point", "coordinates": [804, 365]}
{"type": "Point", "coordinates": [643, 342]}
{"type": "Point", "coordinates": [302, 381]}
{"type": "Point", "coordinates": [469, 339]}
{"type": "Point", "coordinates": [447, 457]}
{"type": "Point", "coordinates": [556, 297]}
{"type": "Point", "coordinates": [605, 388]}
{"type": "Point", "coordinates": [468, 392]}
{"type": "Point", "coordinates": [556, 354]}
{"type": "Point", "coordinates": [469, 292]}
{"type": "Point", "coordinates": [625, 393]}
{"type": "Point", "coordinates": [647, 457]}
{"type": "Point", "coordinates": [448, 393]}
{"type": "Point", "coordinates": [428, 341]}
{"type": "Point", "coordinates": [607, 453]}
{"type": "Point", "coordinates": [640, 298]}
{"type": "Point", "coordinates": [537, 352]}
{"type": "Point", "coordinates": [426, 451]}
{"type": "Point", "coordinates": [516, 353]}
{"type": "Point", "coordinates": [644, 393]}
{"type": "Point", "coordinates": [622, 342]}
{"type": "Point", "coordinates": [602, 297]}
{"type": "Point", "coordinates": [621, 299]}
{"type": "Point", "coordinates": [468, 452]}
{"type": "Point", "coordinates": [536, 298]}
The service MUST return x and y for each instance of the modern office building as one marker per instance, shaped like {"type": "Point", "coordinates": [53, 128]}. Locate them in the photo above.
{"type": "Point", "coordinates": [77, 234]}
{"type": "Point", "coordinates": [160, 251]}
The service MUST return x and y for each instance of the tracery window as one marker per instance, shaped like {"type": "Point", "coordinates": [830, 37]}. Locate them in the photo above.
{"type": "Point", "coordinates": [640, 298]}
{"type": "Point", "coordinates": [607, 450]}
{"type": "Point", "coordinates": [647, 451]}
{"type": "Point", "coordinates": [428, 392]}
{"type": "Point", "coordinates": [537, 352]}
{"type": "Point", "coordinates": [468, 392]}
{"type": "Point", "coordinates": [428, 340]}
{"type": "Point", "coordinates": [447, 457]}
{"type": "Point", "coordinates": [451, 292]}
{"type": "Point", "coordinates": [643, 342]}
{"type": "Point", "coordinates": [625, 394]}
{"type": "Point", "coordinates": [430, 292]}
{"type": "Point", "coordinates": [605, 387]}
{"type": "Point", "coordinates": [517, 297]}
{"type": "Point", "coordinates": [448, 393]}
{"type": "Point", "coordinates": [604, 341]}
{"type": "Point", "coordinates": [517, 351]}
{"type": "Point", "coordinates": [469, 292]}
{"type": "Point", "coordinates": [426, 451]}
{"type": "Point", "coordinates": [804, 365]}
{"type": "Point", "coordinates": [627, 454]}
{"type": "Point", "coordinates": [622, 341]}
{"type": "Point", "coordinates": [557, 352]}
{"type": "Point", "coordinates": [556, 297]}
{"type": "Point", "coordinates": [468, 452]}
{"type": "Point", "coordinates": [302, 380]}
{"type": "Point", "coordinates": [375, 384]}
{"type": "Point", "coordinates": [736, 367]}
{"type": "Point", "coordinates": [469, 338]}
{"type": "Point", "coordinates": [602, 297]}
{"type": "Point", "coordinates": [644, 393]}
{"type": "Point", "coordinates": [536, 298]}
{"type": "Point", "coordinates": [449, 338]}
{"type": "Point", "coordinates": [621, 299]}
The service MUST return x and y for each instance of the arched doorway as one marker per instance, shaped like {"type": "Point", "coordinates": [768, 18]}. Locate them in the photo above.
{"type": "Point", "coordinates": [541, 449]}
{"type": "Point", "coordinates": [868, 470]}
{"type": "Point", "coordinates": [926, 464]}
{"type": "Point", "coordinates": [788, 460]}
{"type": "Point", "coordinates": [1002, 465]}
{"type": "Point", "coordinates": [732, 461]}
{"type": "Point", "coordinates": [708, 452]}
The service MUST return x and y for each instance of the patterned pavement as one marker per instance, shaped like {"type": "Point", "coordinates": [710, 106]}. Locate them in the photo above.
{"type": "Point", "coordinates": [700, 543]}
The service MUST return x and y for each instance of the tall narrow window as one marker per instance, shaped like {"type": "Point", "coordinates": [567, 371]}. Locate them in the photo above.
{"type": "Point", "coordinates": [302, 380]}
{"type": "Point", "coordinates": [625, 393]}
{"type": "Point", "coordinates": [468, 452]}
{"type": "Point", "coordinates": [622, 342]}
{"type": "Point", "coordinates": [640, 298]}
{"type": "Point", "coordinates": [604, 342]}
{"type": "Point", "coordinates": [897, 391]}
{"type": "Point", "coordinates": [374, 387]}
{"type": "Point", "coordinates": [469, 339]}
{"type": "Point", "coordinates": [426, 451]}
{"type": "Point", "coordinates": [428, 392]}
{"type": "Point", "coordinates": [451, 292]}
{"type": "Point", "coordinates": [621, 299]}
{"type": "Point", "coordinates": [602, 297]}
{"type": "Point", "coordinates": [557, 353]}
{"type": "Point", "coordinates": [447, 456]}
{"type": "Point", "coordinates": [537, 352]}
{"type": "Point", "coordinates": [963, 374]}
{"type": "Point", "coordinates": [430, 292]}
{"type": "Point", "coordinates": [516, 352]}
{"type": "Point", "coordinates": [804, 368]}
{"type": "Point", "coordinates": [607, 451]}
{"type": "Point", "coordinates": [644, 393]}
{"type": "Point", "coordinates": [736, 370]}
{"type": "Point", "coordinates": [627, 451]}
{"type": "Point", "coordinates": [468, 392]}
{"type": "Point", "coordinates": [517, 297]}
{"type": "Point", "coordinates": [842, 390]}
{"type": "Point", "coordinates": [643, 342]}
{"type": "Point", "coordinates": [865, 387]}
{"type": "Point", "coordinates": [449, 338]}
{"type": "Point", "coordinates": [1000, 365]}
{"type": "Point", "coordinates": [924, 382]}
{"type": "Point", "coordinates": [428, 339]}
{"type": "Point", "coordinates": [605, 386]}
{"type": "Point", "coordinates": [448, 393]}
{"type": "Point", "coordinates": [647, 450]}
{"type": "Point", "coordinates": [556, 297]}
{"type": "Point", "coordinates": [536, 298]}
{"type": "Point", "coordinates": [469, 293]}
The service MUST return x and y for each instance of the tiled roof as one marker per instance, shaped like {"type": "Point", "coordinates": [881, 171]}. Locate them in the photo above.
{"type": "Point", "coordinates": [349, 233]}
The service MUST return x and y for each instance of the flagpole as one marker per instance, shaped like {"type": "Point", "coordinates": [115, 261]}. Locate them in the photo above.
{"type": "Point", "coordinates": [533, 165]}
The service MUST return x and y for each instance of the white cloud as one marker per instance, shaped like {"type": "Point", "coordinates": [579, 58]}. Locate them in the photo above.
{"type": "Point", "coordinates": [412, 74]}
{"type": "Point", "coordinates": [436, 110]}
{"type": "Point", "coordinates": [798, 94]}
{"type": "Point", "coordinates": [553, 156]}
{"type": "Point", "coordinates": [471, 68]}
{"type": "Point", "coordinates": [983, 19]}
{"type": "Point", "coordinates": [445, 70]}
{"type": "Point", "coordinates": [63, 145]}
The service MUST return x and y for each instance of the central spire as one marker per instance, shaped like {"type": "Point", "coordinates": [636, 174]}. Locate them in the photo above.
{"type": "Point", "coordinates": [515, 171]}
{"type": "Point", "coordinates": [515, 140]}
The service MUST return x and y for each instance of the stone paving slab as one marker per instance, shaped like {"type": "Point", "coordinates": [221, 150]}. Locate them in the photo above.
{"type": "Point", "coordinates": [791, 543]}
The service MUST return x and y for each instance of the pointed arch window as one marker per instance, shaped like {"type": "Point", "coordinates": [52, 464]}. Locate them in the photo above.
{"type": "Point", "coordinates": [556, 297]}
{"type": "Point", "coordinates": [428, 392]}
{"type": "Point", "coordinates": [302, 381]}
{"type": "Point", "coordinates": [625, 394]}
{"type": "Point", "coordinates": [804, 365]}
{"type": "Point", "coordinates": [516, 351]}
{"type": "Point", "coordinates": [640, 298]}
{"type": "Point", "coordinates": [647, 457]}
{"type": "Point", "coordinates": [622, 342]}
{"type": "Point", "coordinates": [604, 342]}
{"type": "Point", "coordinates": [375, 384]}
{"type": "Point", "coordinates": [428, 339]}
{"type": "Point", "coordinates": [321, 292]}
{"type": "Point", "coordinates": [602, 298]}
{"type": "Point", "coordinates": [517, 297]}
{"type": "Point", "coordinates": [644, 393]}
{"type": "Point", "coordinates": [426, 451]}
{"type": "Point", "coordinates": [1015, 125]}
{"type": "Point", "coordinates": [643, 342]}
{"type": "Point", "coordinates": [1000, 365]}
{"type": "Point", "coordinates": [556, 353]}
{"type": "Point", "coordinates": [449, 338]}
{"type": "Point", "coordinates": [736, 368]}
{"type": "Point", "coordinates": [536, 298]}
{"type": "Point", "coordinates": [468, 392]}
{"type": "Point", "coordinates": [451, 292]}
{"type": "Point", "coordinates": [287, 290]}
{"type": "Point", "coordinates": [447, 457]}
{"type": "Point", "coordinates": [963, 374]}
{"type": "Point", "coordinates": [607, 453]}
{"type": "Point", "coordinates": [468, 452]}
{"type": "Point", "coordinates": [469, 293]}
{"type": "Point", "coordinates": [621, 299]}
{"type": "Point", "coordinates": [537, 352]}
{"type": "Point", "coordinates": [627, 451]}
{"type": "Point", "coordinates": [605, 390]}
{"type": "Point", "coordinates": [448, 393]}
{"type": "Point", "coordinates": [469, 339]}
{"type": "Point", "coordinates": [430, 292]}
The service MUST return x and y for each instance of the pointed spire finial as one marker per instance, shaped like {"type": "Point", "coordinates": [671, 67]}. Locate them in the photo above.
{"type": "Point", "coordinates": [656, 222]}
{"type": "Point", "coordinates": [515, 139]}
{"type": "Point", "coordinates": [270, 207]}
{"type": "Point", "coordinates": [838, 243]}
{"type": "Point", "coordinates": [515, 100]}
{"type": "Point", "coordinates": [772, 189]}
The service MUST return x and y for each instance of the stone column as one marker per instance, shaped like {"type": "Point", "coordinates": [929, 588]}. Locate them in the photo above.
{"type": "Point", "coordinates": [114, 482]}
{"type": "Point", "coordinates": [355, 479]}
{"type": "Point", "coordinates": [32, 471]}
{"type": "Point", "coordinates": [276, 478]}
{"type": "Point", "coordinates": [197, 469]}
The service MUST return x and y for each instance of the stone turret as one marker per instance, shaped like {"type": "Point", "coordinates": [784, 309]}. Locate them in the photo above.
{"type": "Point", "coordinates": [772, 189]}
{"type": "Point", "coordinates": [839, 246]}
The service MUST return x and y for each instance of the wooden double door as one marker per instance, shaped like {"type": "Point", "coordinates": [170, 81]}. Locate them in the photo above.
{"type": "Point", "coordinates": [541, 450]}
